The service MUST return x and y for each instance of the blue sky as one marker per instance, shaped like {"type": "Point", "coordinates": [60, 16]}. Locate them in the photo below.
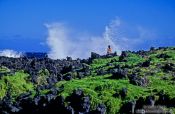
{"type": "Point", "coordinates": [22, 21]}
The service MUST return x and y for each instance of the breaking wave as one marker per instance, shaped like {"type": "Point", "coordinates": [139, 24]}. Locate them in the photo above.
{"type": "Point", "coordinates": [10, 53]}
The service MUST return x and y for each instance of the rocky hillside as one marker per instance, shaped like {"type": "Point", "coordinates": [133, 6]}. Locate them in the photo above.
{"type": "Point", "coordinates": [134, 82]}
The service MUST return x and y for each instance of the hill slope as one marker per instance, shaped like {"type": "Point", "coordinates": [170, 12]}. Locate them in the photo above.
{"type": "Point", "coordinates": [134, 81]}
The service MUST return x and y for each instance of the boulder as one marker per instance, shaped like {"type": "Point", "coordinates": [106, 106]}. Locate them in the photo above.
{"type": "Point", "coordinates": [146, 63]}
{"type": "Point", "coordinates": [128, 108]}
{"type": "Point", "coordinates": [168, 67]}
{"type": "Point", "coordinates": [94, 55]}
{"type": "Point", "coordinates": [101, 71]}
{"type": "Point", "coordinates": [119, 73]}
{"type": "Point", "coordinates": [123, 92]}
{"type": "Point", "coordinates": [122, 56]}
{"type": "Point", "coordinates": [150, 100]}
{"type": "Point", "coordinates": [139, 81]}
{"type": "Point", "coordinates": [69, 58]}
{"type": "Point", "coordinates": [67, 77]}
{"type": "Point", "coordinates": [79, 102]}
{"type": "Point", "coordinates": [101, 109]}
{"type": "Point", "coordinates": [152, 48]}
{"type": "Point", "coordinates": [164, 56]}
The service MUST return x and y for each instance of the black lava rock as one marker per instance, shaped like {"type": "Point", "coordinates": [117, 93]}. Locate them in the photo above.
{"type": "Point", "coordinates": [122, 56]}
{"type": "Point", "coordinates": [123, 92]}
{"type": "Point", "coordinates": [101, 109]}
{"type": "Point", "coordinates": [146, 63]}
{"type": "Point", "coordinates": [119, 73]}
{"type": "Point", "coordinates": [139, 81]}
{"type": "Point", "coordinates": [128, 108]}
{"type": "Point", "coordinates": [79, 102]}
{"type": "Point", "coordinates": [94, 55]}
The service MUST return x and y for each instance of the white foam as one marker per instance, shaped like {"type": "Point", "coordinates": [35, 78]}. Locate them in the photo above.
{"type": "Point", "coordinates": [10, 53]}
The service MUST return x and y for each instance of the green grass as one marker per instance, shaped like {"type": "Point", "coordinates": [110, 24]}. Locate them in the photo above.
{"type": "Point", "coordinates": [3, 89]}
{"type": "Point", "coordinates": [133, 59]}
{"type": "Point", "coordinates": [101, 90]}
{"type": "Point", "coordinates": [16, 85]}
{"type": "Point", "coordinates": [96, 63]}
{"type": "Point", "coordinates": [162, 85]}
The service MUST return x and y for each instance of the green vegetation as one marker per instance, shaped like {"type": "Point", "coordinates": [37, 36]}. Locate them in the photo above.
{"type": "Point", "coordinates": [15, 85]}
{"type": "Point", "coordinates": [102, 89]}
{"type": "Point", "coordinates": [42, 77]}
{"type": "Point", "coordinates": [96, 63]}
{"type": "Point", "coordinates": [162, 85]}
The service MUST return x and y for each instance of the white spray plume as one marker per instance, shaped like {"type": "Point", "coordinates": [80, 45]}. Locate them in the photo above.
{"type": "Point", "coordinates": [57, 40]}
{"type": "Point", "coordinates": [62, 44]}
{"type": "Point", "coordinates": [110, 34]}
{"type": "Point", "coordinates": [10, 53]}
{"type": "Point", "coordinates": [118, 34]}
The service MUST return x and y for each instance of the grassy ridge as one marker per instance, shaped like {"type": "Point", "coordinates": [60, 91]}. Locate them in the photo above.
{"type": "Point", "coordinates": [102, 88]}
